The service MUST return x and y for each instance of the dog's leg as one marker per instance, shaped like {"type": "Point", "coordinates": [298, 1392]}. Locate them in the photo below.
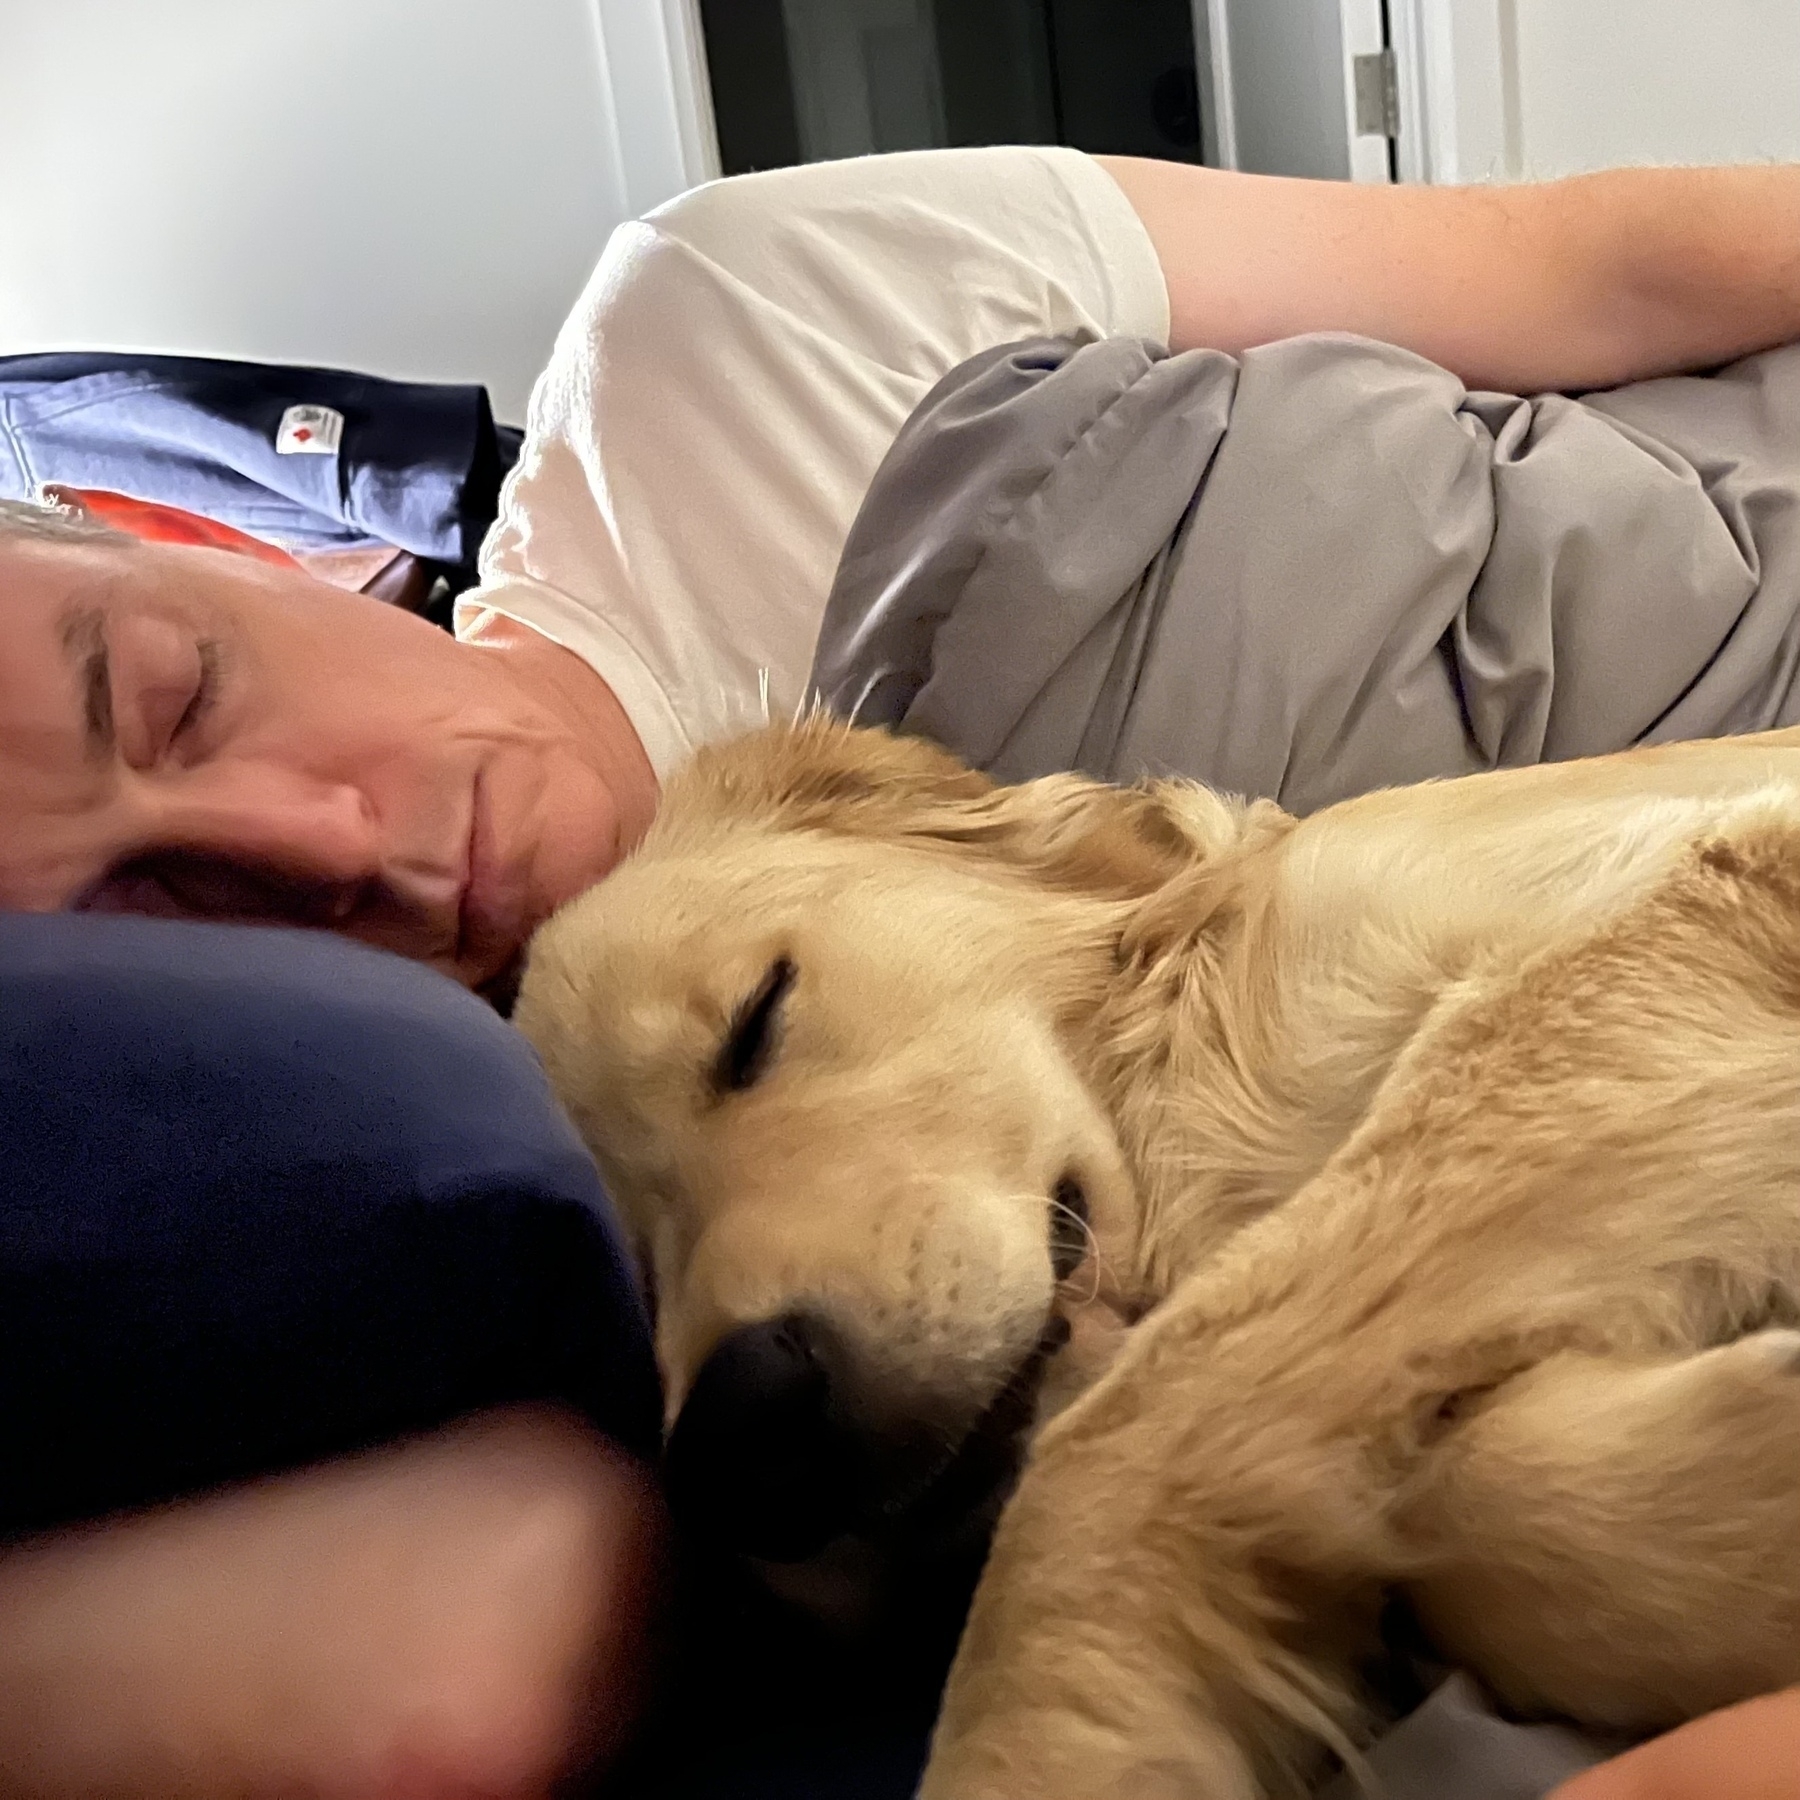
{"type": "Point", "coordinates": [1184, 1588]}
{"type": "Point", "coordinates": [1617, 1541]}
{"type": "Point", "coordinates": [1134, 1634]}
{"type": "Point", "coordinates": [1584, 1154]}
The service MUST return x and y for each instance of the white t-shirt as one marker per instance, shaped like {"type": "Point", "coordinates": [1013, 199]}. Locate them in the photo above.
{"type": "Point", "coordinates": [717, 403]}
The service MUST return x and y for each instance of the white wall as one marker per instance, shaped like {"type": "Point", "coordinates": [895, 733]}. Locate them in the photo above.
{"type": "Point", "coordinates": [417, 188]}
{"type": "Point", "coordinates": [1521, 89]}
{"type": "Point", "coordinates": [1677, 81]}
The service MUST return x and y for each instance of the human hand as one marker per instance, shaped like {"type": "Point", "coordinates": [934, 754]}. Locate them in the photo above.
{"type": "Point", "coordinates": [1747, 1752]}
{"type": "Point", "coordinates": [465, 1613]}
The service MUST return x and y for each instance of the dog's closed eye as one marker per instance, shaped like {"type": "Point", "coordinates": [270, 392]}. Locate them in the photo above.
{"type": "Point", "coordinates": [1070, 1228]}
{"type": "Point", "coordinates": [750, 1044]}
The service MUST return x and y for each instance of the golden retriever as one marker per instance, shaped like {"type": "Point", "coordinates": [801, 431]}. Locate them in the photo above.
{"type": "Point", "coordinates": [1400, 1200]}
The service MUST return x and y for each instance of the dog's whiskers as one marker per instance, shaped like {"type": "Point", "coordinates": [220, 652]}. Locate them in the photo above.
{"type": "Point", "coordinates": [1094, 1254]}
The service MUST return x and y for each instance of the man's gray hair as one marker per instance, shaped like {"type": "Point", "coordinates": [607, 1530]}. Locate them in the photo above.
{"type": "Point", "coordinates": [45, 519]}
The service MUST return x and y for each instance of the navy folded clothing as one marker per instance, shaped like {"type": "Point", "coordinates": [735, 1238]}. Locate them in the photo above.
{"type": "Point", "coordinates": [268, 1196]}
{"type": "Point", "coordinates": [417, 465]}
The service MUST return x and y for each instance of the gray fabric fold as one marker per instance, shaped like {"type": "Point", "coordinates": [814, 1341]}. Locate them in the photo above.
{"type": "Point", "coordinates": [1322, 567]}
{"type": "Point", "coordinates": [1456, 1747]}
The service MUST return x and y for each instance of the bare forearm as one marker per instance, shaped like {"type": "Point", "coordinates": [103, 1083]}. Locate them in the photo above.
{"type": "Point", "coordinates": [465, 1613]}
{"type": "Point", "coordinates": [1578, 283]}
{"type": "Point", "coordinates": [1749, 1752]}
{"type": "Point", "coordinates": [1706, 260]}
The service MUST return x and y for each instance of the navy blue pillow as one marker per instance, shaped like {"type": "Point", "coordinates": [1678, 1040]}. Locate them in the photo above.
{"type": "Point", "coordinates": [266, 1196]}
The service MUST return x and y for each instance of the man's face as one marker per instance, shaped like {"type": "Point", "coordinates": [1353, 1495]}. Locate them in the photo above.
{"type": "Point", "coordinates": [191, 734]}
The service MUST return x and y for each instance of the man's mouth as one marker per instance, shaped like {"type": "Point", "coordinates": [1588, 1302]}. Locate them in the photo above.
{"type": "Point", "coordinates": [182, 884]}
{"type": "Point", "coordinates": [469, 922]}
{"type": "Point", "coordinates": [489, 935]}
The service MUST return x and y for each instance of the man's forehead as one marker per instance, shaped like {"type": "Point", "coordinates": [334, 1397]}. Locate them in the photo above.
{"type": "Point", "coordinates": [56, 597]}
{"type": "Point", "coordinates": [49, 780]}
{"type": "Point", "coordinates": [55, 604]}
{"type": "Point", "coordinates": [45, 578]}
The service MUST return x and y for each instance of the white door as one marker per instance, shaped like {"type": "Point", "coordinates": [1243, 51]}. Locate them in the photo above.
{"type": "Point", "coordinates": [1296, 86]}
{"type": "Point", "coordinates": [1509, 90]}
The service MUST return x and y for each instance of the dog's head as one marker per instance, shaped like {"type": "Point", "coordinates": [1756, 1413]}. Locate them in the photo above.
{"type": "Point", "coordinates": [822, 1033]}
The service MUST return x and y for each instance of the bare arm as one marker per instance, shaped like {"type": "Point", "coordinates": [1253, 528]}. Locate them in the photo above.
{"type": "Point", "coordinates": [1568, 284]}
{"type": "Point", "coordinates": [465, 1613]}
{"type": "Point", "coordinates": [1751, 1752]}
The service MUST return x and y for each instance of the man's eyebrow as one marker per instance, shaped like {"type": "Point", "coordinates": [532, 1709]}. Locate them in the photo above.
{"type": "Point", "coordinates": [84, 640]}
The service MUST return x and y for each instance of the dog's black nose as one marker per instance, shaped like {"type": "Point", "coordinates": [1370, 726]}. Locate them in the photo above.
{"type": "Point", "coordinates": [763, 1459]}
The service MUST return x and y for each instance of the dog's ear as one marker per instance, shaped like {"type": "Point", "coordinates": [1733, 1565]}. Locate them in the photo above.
{"type": "Point", "coordinates": [1065, 831]}
{"type": "Point", "coordinates": [820, 774]}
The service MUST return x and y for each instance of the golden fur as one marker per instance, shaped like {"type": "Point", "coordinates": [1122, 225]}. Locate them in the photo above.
{"type": "Point", "coordinates": [1443, 1154]}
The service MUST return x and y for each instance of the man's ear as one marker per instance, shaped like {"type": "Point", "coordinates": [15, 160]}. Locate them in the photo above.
{"type": "Point", "coordinates": [1065, 831]}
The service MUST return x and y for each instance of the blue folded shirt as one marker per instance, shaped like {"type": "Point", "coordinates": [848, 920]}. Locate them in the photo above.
{"type": "Point", "coordinates": [417, 465]}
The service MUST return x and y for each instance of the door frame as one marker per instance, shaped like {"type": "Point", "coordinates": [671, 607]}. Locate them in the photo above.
{"type": "Point", "coordinates": [1212, 63]}
{"type": "Point", "coordinates": [1457, 67]}
{"type": "Point", "coordinates": [1279, 82]}
{"type": "Point", "coordinates": [663, 136]}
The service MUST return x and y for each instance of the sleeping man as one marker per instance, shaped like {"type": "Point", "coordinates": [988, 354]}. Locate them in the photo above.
{"type": "Point", "coordinates": [191, 734]}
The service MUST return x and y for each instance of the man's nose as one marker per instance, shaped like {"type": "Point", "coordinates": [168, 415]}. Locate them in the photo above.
{"type": "Point", "coordinates": [262, 846]}
{"type": "Point", "coordinates": [314, 830]}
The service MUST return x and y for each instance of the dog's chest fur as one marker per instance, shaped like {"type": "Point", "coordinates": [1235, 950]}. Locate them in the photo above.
{"type": "Point", "coordinates": [1243, 1043]}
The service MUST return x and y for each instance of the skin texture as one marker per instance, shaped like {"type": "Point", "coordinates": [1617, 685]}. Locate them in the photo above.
{"type": "Point", "coordinates": [355, 768]}
{"type": "Point", "coordinates": [1569, 284]}
{"type": "Point", "coordinates": [1441, 1142]}
{"type": "Point", "coordinates": [1743, 1753]}
{"type": "Point", "coordinates": [459, 1616]}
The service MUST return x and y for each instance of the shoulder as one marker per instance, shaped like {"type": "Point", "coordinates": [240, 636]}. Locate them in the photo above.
{"type": "Point", "coordinates": [905, 263]}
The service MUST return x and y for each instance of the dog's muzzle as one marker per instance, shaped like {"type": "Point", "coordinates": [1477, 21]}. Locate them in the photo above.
{"type": "Point", "coordinates": [762, 1458]}
{"type": "Point", "coordinates": [785, 1443]}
